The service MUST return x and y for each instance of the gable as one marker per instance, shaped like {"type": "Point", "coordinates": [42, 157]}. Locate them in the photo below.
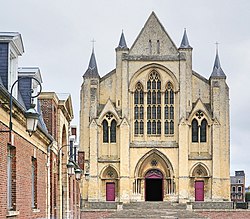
{"type": "Point", "coordinates": [153, 31]}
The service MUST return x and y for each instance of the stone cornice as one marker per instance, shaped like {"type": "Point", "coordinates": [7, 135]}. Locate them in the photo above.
{"type": "Point", "coordinates": [177, 57]}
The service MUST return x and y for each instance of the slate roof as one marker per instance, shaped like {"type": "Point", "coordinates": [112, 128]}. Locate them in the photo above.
{"type": "Point", "coordinates": [122, 42]}
{"type": "Point", "coordinates": [92, 71]}
{"type": "Point", "coordinates": [184, 42]}
{"type": "Point", "coordinates": [217, 70]}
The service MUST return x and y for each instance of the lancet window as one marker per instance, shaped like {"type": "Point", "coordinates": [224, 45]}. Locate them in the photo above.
{"type": "Point", "coordinates": [169, 109]}
{"type": "Point", "coordinates": [199, 128]}
{"type": "Point", "coordinates": [109, 129]}
{"type": "Point", "coordinates": [139, 109]}
{"type": "Point", "coordinates": [154, 104]}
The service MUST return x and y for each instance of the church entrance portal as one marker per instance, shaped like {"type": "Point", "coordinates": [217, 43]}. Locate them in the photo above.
{"type": "Point", "coordinates": [154, 185]}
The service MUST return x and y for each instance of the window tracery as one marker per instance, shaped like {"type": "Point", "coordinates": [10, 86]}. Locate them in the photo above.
{"type": "Point", "coordinates": [154, 104]}
{"type": "Point", "coordinates": [199, 128]}
{"type": "Point", "coordinates": [139, 109]}
{"type": "Point", "coordinates": [169, 109]}
{"type": "Point", "coordinates": [154, 110]}
{"type": "Point", "coordinates": [109, 128]}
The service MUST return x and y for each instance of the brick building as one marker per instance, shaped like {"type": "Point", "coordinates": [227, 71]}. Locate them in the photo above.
{"type": "Point", "coordinates": [57, 112]}
{"type": "Point", "coordinates": [238, 186]}
{"type": "Point", "coordinates": [34, 181]}
{"type": "Point", "coordinates": [23, 178]}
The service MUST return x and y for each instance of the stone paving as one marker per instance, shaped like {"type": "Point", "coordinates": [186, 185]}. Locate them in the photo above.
{"type": "Point", "coordinates": [149, 210]}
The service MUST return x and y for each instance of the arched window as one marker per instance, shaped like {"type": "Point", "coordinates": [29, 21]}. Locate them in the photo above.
{"type": "Point", "coordinates": [169, 109]}
{"type": "Point", "coordinates": [154, 104]}
{"type": "Point", "coordinates": [105, 129]}
{"type": "Point", "coordinates": [113, 131]}
{"type": "Point", "coordinates": [194, 130]}
{"type": "Point", "coordinates": [109, 128]}
{"type": "Point", "coordinates": [139, 109]}
{"type": "Point", "coordinates": [203, 131]}
{"type": "Point", "coordinates": [199, 128]}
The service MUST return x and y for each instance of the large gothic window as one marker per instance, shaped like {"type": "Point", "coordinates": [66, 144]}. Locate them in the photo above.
{"type": "Point", "coordinates": [109, 129]}
{"type": "Point", "coordinates": [154, 104]}
{"type": "Point", "coordinates": [169, 109]}
{"type": "Point", "coordinates": [139, 109]}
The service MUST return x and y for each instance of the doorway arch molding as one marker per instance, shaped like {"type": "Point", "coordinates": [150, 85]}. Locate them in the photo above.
{"type": "Point", "coordinates": [143, 166]}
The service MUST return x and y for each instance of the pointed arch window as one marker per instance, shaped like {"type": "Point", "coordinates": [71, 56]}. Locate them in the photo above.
{"type": "Point", "coordinates": [169, 109]}
{"type": "Point", "coordinates": [105, 130]}
{"type": "Point", "coordinates": [154, 104]}
{"type": "Point", "coordinates": [139, 109]}
{"type": "Point", "coordinates": [199, 128]}
{"type": "Point", "coordinates": [194, 130]}
{"type": "Point", "coordinates": [109, 128]}
{"type": "Point", "coordinates": [113, 131]}
{"type": "Point", "coordinates": [203, 132]}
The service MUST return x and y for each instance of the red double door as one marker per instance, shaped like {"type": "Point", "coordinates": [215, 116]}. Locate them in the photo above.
{"type": "Point", "coordinates": [199, 191]}
{"type": "Point", "coordinates": [110, 191]}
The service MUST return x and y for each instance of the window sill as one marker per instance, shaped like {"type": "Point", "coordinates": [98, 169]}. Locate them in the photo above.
{"type": "Point", "coordinates": [35, 210]}
{"type": "Point", "coordinates": [12, 213]}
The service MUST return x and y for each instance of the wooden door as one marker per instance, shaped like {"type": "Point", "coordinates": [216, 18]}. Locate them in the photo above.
{"type": "Point", "coordinates": [110, 191]}
{"type": "Point", "coordinates": [199, 191]}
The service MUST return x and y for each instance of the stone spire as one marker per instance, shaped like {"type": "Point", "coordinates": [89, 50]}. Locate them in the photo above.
{"type": "Point", "coordinates": [122, 43]}
{"type": "Point", "coordinates": [217, 70]}
{"type": "Point", "coordinates": [184, 42]}
{"type": "Point", "coordinates": [92, 71]}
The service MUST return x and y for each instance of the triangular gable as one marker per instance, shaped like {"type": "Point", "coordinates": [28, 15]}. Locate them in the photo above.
{"type": "Point", "coordinates": [153, 30]}
{"type": "Point", "coordinates": [109, 107]}
{"type": "Point", "coordinates": [199, 105]}
{"type": "Point", "coordinates": [93, 123]}
{"type": "Point", "coordinates": [124, 122]}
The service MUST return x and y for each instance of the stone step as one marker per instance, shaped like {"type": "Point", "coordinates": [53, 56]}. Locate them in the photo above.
{"type": "Point", "coordinates": [154, 205]}
{"type": "Point", "coordinates": [99, 205]}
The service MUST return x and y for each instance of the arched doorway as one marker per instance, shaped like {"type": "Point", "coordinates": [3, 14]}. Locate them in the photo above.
{"type": "Point", "coordinates": [154, 185]}
{"type": "Point", "coordinates": [200, 180]}
{"type": "Point", "coordinates": [109, 177]}
{"type": "Point", "coordinates": [154, 174]}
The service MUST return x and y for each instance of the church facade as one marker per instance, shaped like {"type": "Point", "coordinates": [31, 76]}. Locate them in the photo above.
{"type": "Point", "coordinates": [153, 129]}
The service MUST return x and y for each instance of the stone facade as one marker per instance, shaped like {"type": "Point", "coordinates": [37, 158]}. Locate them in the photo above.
{"type": "Point", "coordinates": [153, 129]}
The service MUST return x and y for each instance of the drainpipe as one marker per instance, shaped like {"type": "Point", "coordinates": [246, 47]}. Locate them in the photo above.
{"type": "Point", "coordinates": [48, 181]}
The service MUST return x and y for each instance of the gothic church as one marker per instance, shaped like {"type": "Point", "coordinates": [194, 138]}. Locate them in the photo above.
{"type": "Point", "coordinates": [153, 129]}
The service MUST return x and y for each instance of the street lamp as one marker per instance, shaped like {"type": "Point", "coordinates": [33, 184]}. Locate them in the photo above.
{"type": "Point", "coordinates": [31, 120]}
{"type": "Point", "coordinates": [31, 114]}
{"type": "Point", "coordinates": [72, 167]}
{"type": "Point", "coordinates": [78, 173]}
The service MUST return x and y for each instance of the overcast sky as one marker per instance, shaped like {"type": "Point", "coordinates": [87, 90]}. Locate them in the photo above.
{"type": "Point", "coordinates": [57, 38]}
